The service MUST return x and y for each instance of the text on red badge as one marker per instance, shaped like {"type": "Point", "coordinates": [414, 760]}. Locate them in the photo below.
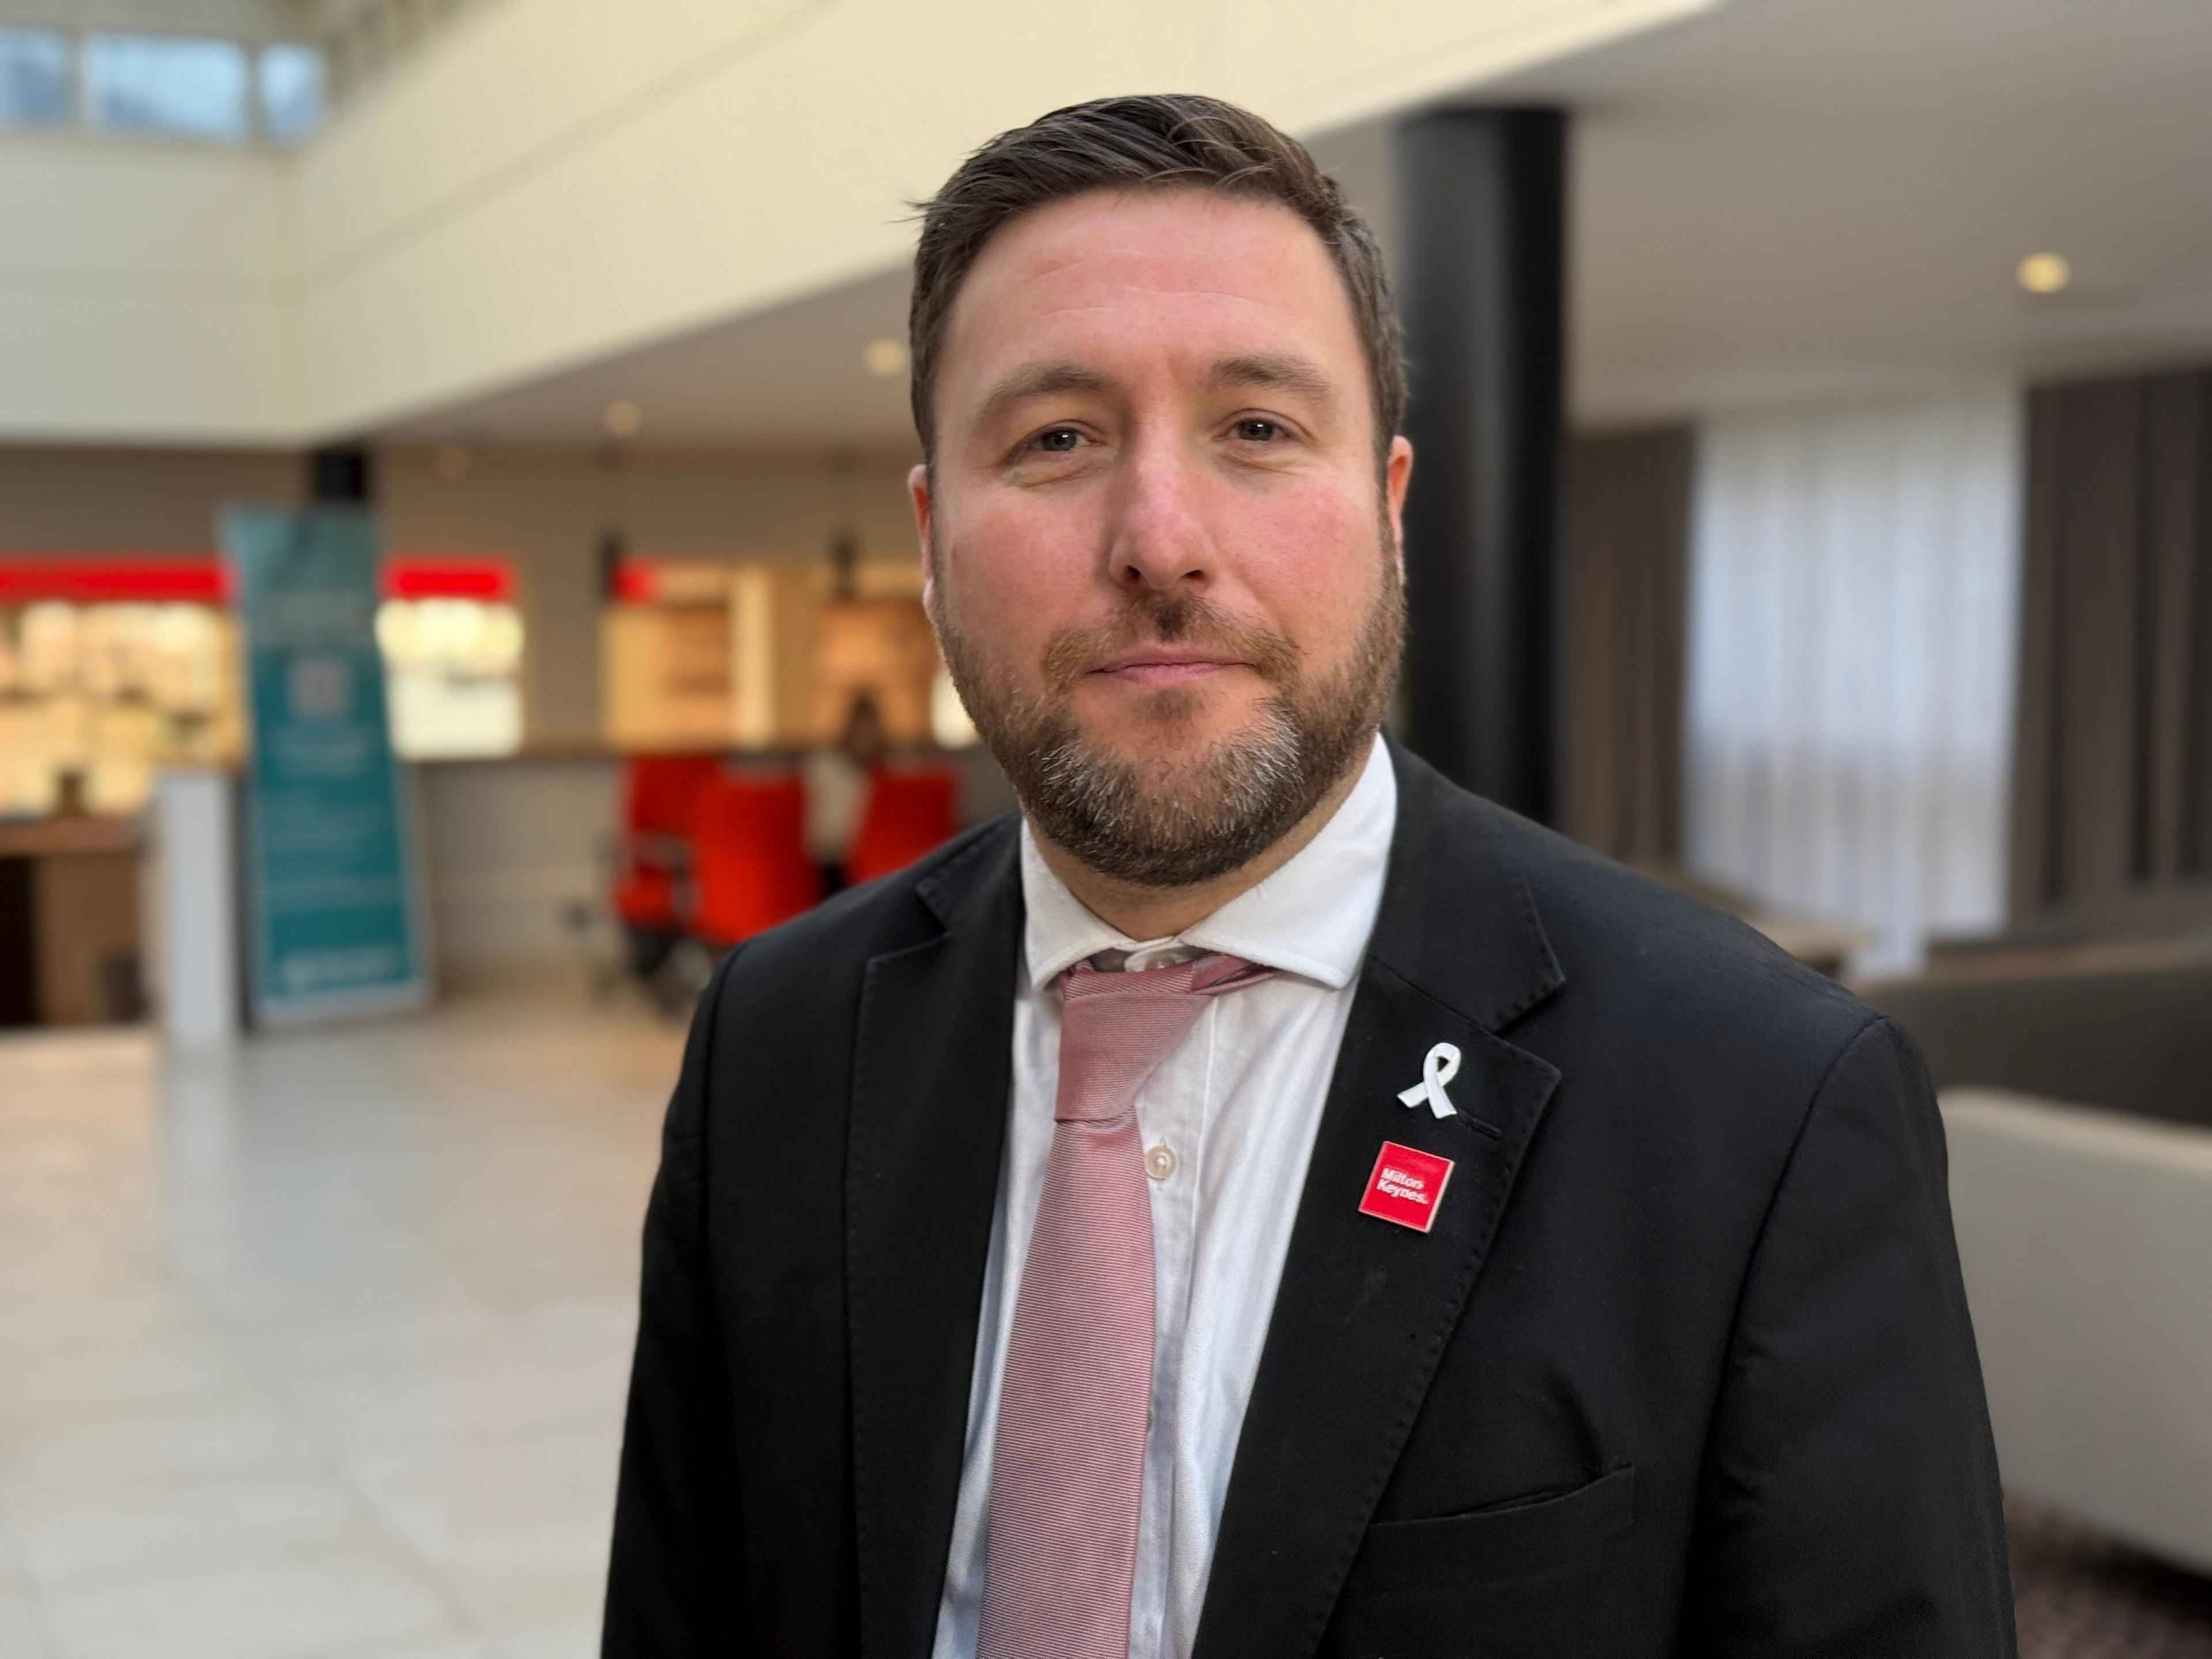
{"type": "Point", "coordinates": [1406, 1186]}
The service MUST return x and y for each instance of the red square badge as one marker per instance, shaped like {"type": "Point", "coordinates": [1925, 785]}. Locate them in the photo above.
{"type": "Point", "coordinates": [1406, 1186]}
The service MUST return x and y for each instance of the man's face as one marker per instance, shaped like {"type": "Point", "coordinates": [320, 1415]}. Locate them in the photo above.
{"type": "Point", "coordinates": [1162, 565]}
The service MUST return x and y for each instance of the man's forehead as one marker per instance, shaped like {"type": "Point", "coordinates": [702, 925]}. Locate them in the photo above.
{"type": "Point", "coordinates": [1179, 256]}
{"type": "Point", "coordinates": [1185, 220]}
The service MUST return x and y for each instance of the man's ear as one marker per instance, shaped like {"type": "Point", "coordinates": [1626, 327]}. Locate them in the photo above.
{"type": "Point", "coordinates": [1397, 472]}
{"type": "Point", "coordinates": [917, 490]}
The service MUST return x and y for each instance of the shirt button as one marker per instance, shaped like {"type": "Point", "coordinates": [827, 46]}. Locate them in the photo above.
{"type": "Point", "coordinates": [1160, 1161]}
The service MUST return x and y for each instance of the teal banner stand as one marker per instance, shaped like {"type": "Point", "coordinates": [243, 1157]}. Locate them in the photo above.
{"type": "Point", "coordinates": [333, 885]}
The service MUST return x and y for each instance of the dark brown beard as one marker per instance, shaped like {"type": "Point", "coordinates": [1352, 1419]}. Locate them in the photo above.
{"type": "Point", "coordinates": [1156, 825]}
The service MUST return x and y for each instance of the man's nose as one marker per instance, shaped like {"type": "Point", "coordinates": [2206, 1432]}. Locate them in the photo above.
{"type": "Point", "coordinates": [1160, 539]}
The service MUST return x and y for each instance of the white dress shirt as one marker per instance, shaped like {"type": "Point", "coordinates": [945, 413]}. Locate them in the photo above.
{"type": "Point", "coordinates": [1228, 1123]}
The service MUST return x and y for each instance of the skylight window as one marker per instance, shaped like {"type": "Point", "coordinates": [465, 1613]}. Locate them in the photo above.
{"type": "Point", "coordinates": [35, 88]}
{"type": "Point", "coordinates": [175, 85]}
{"type": "Point", "coordinates": [292, 91]}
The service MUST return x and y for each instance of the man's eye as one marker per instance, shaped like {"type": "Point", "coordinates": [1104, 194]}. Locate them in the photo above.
{"type": "Point", "coordinates": [1258, 432]}
{"type": "Point", "coordinates": [1058, 441]}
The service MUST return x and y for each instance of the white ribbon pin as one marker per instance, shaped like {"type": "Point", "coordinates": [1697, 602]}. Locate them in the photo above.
{"type": "Point", "coordinates": [1439, 1068]}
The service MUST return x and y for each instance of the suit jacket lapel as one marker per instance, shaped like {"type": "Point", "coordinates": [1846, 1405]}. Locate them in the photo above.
{"type": "Point", "coordinates": [931, 1071]}
{"type": "Point", "coordinates": [1366, 1306]}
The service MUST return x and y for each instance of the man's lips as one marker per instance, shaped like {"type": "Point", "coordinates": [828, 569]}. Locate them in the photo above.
{"type": "Point", "coordinates": [1163, 667]}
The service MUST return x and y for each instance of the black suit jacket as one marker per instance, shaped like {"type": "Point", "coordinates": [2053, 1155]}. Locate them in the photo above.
{"type": "Point", "coordinates": [1684, 1365]}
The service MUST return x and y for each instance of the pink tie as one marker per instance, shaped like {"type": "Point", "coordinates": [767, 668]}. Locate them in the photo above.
{"type": "Point", "coordinates": [1068, 1475]}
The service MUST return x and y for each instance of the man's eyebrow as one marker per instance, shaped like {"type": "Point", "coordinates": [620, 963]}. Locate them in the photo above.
{"type": "Point", "coordinates": [1037, 381]}
{"type": "Point", "coordinates": [1280, 373]}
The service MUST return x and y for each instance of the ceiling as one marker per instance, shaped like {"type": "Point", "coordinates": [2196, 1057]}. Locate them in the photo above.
{"type": "Point", "coordinates": [1780, 201]}
{"type": "Point", "coordinates": [792, 377]}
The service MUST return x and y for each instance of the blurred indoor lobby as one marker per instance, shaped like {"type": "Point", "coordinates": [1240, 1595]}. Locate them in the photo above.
{"type": "Point", "coordinates": [1814, 401]}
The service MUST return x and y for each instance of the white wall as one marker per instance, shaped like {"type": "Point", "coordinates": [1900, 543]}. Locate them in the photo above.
{"type": "Point", "coordinates": [510, 848]}
{"type": "Point", "coordinates": [1853, 641]}
{"type": "Point", "coordinates": [549, 181]}
{"type": "Point", "coordinates": [146, 294]}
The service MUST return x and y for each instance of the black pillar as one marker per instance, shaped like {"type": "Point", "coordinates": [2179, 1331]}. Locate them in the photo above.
{"type": "Point", "coordinates": [340, 473]}
{"type": "Point", "coordinates": [1481, 280]}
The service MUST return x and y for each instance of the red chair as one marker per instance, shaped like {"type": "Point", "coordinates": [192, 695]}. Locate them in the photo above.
{"type": "Point", "coordinates": [749, 866]}
{"type": "Point", "coordinates": [652, 847]}
{"type": "Point", "coordinates": [909, 813]}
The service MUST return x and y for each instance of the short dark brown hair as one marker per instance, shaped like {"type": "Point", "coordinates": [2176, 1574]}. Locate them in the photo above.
{"type": "Point", "coordinates": [1159, 141]}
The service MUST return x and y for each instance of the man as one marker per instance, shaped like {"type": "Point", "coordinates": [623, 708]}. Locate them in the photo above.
{"type": "Point", "coordinates": [1264, 1201]}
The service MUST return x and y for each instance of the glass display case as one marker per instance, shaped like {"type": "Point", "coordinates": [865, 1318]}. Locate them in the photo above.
{"type": "Point", "coordinates": [97, 691]}
{"type": "Point", "coordinates": [451, 638]}
{"type": "Point", "coordinates": [766, 654]}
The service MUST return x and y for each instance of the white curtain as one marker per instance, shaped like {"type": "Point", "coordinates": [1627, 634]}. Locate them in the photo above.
{"type": "Point", "coordinates": [1854, 604]}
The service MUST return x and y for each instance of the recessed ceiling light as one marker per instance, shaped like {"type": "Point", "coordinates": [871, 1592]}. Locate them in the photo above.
{"type": "Point", "coordinates": [623, 418]}
{"type": "Point", "coordinates": [2045, 273]}
{"type": "Point", "coordinates": [884, 357]}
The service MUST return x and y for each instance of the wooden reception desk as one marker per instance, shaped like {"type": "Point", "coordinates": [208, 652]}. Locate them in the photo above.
{"type": "Point", "coordinates": [68, 921]}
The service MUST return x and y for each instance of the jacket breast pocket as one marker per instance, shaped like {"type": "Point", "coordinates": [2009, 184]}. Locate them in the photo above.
{"type": "Point", "coordinates": [1484, 1546]}
{"type": "Point", "coordinates": [1525, 1578]}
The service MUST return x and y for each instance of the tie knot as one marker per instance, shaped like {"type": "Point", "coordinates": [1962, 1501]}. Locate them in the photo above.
{"type": "Point", "coordinates": [1199, 976]}
{"type": "Point", "coordinates": [1115, 1029]}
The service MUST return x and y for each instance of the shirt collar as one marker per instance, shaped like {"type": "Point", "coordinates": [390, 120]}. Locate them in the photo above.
{"type": "Point", "coordinates": [1311, 918]}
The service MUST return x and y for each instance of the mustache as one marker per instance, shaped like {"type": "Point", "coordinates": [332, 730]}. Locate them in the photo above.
{"type": "Point", "coordinates": [1170, 619]}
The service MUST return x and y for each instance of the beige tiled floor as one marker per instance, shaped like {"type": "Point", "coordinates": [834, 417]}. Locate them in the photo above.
{"type": "Point", "coordinates": [319, 1349]}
